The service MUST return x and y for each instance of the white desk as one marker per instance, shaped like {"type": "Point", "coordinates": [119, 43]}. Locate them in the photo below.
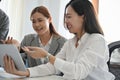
{"type": "Point", "coordinates": [53, 77]}
{"type": "Point", "coordinates": [38, 78]}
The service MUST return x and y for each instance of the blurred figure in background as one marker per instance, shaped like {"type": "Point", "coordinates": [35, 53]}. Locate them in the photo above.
{"type": "Point", "coordinates": [4, 25]}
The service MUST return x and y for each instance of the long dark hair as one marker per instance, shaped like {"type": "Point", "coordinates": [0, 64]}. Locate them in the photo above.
{"type": "Point", "coordinates": [43, 10]}
{"type": "Point", "coordinates": [85, 7]}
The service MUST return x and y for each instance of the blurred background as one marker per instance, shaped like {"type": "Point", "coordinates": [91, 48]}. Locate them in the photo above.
{"type": "Point", "coordinates": [19, 13]}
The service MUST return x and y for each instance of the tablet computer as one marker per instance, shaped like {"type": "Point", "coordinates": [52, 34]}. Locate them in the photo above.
{"type": "Point", "coordinates": [13, 52]}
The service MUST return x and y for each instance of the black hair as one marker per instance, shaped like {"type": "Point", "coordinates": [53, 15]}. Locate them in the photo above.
{"type": "Point", "coordinates": [85, 7]}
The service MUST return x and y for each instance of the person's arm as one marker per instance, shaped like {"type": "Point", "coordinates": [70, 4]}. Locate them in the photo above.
{"type": "Point", "coordinates": [48, 69]}
{"type": "Point", "coordinates": [44, 69]}
{"type": "Point", "coordinates": [41, 70]}
{"type": "Point", "coordinates": [36, 53]}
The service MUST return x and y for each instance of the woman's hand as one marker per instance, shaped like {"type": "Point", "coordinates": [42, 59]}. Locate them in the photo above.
{"type": "Point", "coordinates": [9, 67]}
{"type": "Point", "coordinates": [8, 41]}
{"type": "Point", "coordinates": [35, 52]}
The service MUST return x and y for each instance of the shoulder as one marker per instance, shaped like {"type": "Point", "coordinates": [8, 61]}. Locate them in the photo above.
{"type": "Point", "coordinates": [3, 15]}
{"type": "Point", "coordinates": [59, 38]}
{"type": "Point", "coordinates": [2, 12]}
{"type": "Point", "coordinates": [4, 19]}
{"type": "Point", "coordinates": [69, 41]}
{"type": "Point", "coordinates": [89, 38]}
{"type": "Point", "coordinates": [30, 36]}
{"type": "Point", "coordinates": [96, 37]}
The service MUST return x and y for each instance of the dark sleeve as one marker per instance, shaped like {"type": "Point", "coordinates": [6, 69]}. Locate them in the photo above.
{"type": "Point", "coordinates": [4, 25]}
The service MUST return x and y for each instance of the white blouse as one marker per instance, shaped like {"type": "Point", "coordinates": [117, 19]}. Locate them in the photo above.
{"type": "Point", "coordinates": [86, 62]}
{"type": "Point", "coordinates": [46, 47]}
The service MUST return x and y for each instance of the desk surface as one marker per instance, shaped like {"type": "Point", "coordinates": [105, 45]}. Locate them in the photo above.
{"type": "Point", "coordinates": [38, 78]}
{"type": "Point", "coordinates": [53, 77]}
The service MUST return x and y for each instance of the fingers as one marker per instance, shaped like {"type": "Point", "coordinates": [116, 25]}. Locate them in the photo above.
{"type": "Point", "coordinates": [33, 48]}
{"type": "Point", "coordinates": [3, 41]}
{"type": "Point", "coordinates": [9, 40]}
{"type": "Point", "coordinates": [26, 49]}
{"type": "Point", "coordinates": [29, 48]}
{"type": "Point", "coordinates": [6, 63]}
{"type": "Point", "coordinates": [34, 52]}
{"type": "Point", "coordinates": [9, 67]}
{"type": "Point", "coordinates": [12, 65]}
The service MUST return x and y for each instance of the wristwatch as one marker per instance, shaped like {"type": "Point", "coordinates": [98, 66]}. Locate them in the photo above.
{"type": "Point", "coordinates": [48, 57]}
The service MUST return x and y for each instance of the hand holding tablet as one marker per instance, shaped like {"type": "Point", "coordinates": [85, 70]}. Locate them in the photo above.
{"type": "Point", "coordinates": [12, 51]}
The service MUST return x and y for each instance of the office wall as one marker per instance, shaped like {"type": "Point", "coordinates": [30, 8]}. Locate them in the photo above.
{"type": "Point", "coordinates": [14, 9]}
{"type": "Point", "coordinates": [109, 16]}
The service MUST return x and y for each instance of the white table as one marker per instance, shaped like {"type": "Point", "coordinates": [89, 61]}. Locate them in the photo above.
{"type": "Point", "coordinates": [37, 78]}
{"type": "Point", "coordinates": [8, 77]}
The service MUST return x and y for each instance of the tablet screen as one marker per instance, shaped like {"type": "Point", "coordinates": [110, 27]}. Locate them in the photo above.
{"type": "Point", "coordinates": [13, 52]}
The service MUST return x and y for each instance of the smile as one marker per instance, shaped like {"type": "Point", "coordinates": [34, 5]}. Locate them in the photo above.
{"type": "Point", "coordinates": [39, 28]}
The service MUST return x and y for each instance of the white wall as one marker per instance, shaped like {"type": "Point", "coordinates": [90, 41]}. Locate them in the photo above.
{"type": "Point", "coordinates": [14, 9]}
{"type": "Point", "coordinates": [4, 6]}
{"type": "Point", "coordinates": [109, 15]}
{"type": "Point", "coordinates": [61, 28]}
{"type": "Point", "coordinates": [15, 12]}
{"type": "Point", "coordinates": [28, 7]}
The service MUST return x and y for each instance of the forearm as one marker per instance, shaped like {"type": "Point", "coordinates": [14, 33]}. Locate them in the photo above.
{"type": "Point", "coordinates": [21, 73]}
{"type": "Point", "coordinates": [27, 73]}
{"type": "Point", "coordinates": [52, 59]}
{"type": "Point", "coordinates": [42, 70]}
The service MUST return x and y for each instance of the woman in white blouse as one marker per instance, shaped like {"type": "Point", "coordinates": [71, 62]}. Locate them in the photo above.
{"type": "Point", "coordinates": [84, 57]}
